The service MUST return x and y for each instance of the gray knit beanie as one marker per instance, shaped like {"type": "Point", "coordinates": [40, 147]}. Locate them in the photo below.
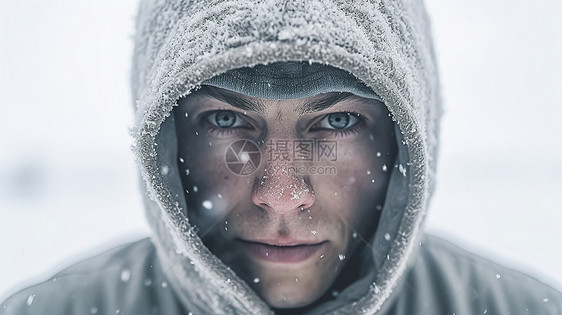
{"type": "Point", "coordinates": [290, 80]}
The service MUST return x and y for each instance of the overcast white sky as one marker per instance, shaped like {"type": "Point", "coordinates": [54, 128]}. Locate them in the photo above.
{"type": "Point", "coordinates": [68, 181]}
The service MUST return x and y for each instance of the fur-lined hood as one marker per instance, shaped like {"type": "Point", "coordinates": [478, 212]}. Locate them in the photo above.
{"type": "Point", "coordinates": [385, 44]}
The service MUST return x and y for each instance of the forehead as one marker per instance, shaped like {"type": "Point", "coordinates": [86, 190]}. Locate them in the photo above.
{"type": "Point", "coordinates": [303, 106]}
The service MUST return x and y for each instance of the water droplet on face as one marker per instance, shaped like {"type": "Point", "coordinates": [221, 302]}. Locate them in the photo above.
{"type": "Point", "coordinates": [545, 300]}
{"type": "Point", "coordinates": [371, 137]}
{"type": "Point", "coordinates": [498, 276]}
{"type": "Point", "coordinates": [402, 169]}
{"type": "Point", "coordinates": [297, 280]}
{"type": "Point", "coordinates": [256, 280]}
{"type": "Point", "coordinates": [181, 160]}
{"type": "Point", "coordinates": [310, 217]}
{"type": "Point", "coordinates": [30, 299]}
{"type": "Point", "coordinates": [372, 180]}
{"type": "Point", "coordinates": [335, 293]}
{"type": "Point", "coordinates": [368, 172]}
{"type": "Point", "coordinates": [387, 236]}
{"type": "Point", "coordinates": [313, 232]}
{"type": "Point", "coordinates": [94, 310]}
{"type": "Point", "coordinates": [147, 282]}
{"type": "Point", "coordinates": [354, 235]}
{"type": "Point", "coordinates": [266, 253]}
{"type": "Point", "coordinates": [164, 284]}
{"type": "Point", "coordinates": [220, 196]}
{"type": "Point", "coordinates": [321, 256]}
{"type": "Point", "coordinates": [244, 157]}
{"type": "Point", "coordinates": [378, 154]}
{"type": "Point", "coordinates": [207, 204]}
{"type": "Point", "coordinates": [335, 193]}
{"type": "Point", "coordinates": [187, 171]}
{"type": "Point", "coordinates": [186, 115]}
{"type": "Point", "coordinates": [384, 168]}
{"type": "Point", "coordinates": [165, 170]}
{"type": "Point", "coordinates": [196, 133]}
{"type": "Point", "coordinates": [341, 256]}
{"type": "Point", "coordinates": [125, 275]}
{"type": "Point", "coordinates": [195, 189]}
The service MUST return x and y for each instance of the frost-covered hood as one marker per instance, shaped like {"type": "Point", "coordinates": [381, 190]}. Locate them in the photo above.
{"type": "Point", "coordinates": [385, 44]}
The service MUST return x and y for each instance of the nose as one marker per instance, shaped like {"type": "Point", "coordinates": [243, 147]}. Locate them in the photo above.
{"type": "Point", "coordinates": [282, 191]}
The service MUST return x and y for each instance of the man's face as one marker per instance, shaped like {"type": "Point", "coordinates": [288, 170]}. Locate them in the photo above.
{"type": "Point", "coordinates": [290, 227]}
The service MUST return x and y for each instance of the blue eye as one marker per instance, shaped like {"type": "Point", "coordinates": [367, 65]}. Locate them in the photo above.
{"type": "Point", "coordinates": [226, 119]}
{"type": "Point", "coordinates": [338, 121]}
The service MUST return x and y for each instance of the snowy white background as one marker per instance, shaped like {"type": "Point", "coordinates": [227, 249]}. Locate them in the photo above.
{"type": "Point", "coordinates": [68, 185]}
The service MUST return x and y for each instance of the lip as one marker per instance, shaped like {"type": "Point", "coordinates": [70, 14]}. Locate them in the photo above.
{"type": "Point", "coordinates": [292, 252]}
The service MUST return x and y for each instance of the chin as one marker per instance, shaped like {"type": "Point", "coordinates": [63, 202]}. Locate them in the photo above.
{"type": "Point", "coordinates": [280, 303]}
{"type": "Point", "coordinates": [288, 297]}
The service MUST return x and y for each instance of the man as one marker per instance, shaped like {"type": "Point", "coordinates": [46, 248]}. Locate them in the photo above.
{"type": "Point", "coordinates": [288, 150]}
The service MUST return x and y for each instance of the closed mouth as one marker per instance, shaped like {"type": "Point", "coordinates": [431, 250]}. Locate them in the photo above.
{"type": "Point", "coordinates": [281, 253]}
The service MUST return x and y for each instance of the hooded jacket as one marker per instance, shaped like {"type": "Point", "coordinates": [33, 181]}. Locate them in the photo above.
{"type": "Point", "coordinates": [387, 46]}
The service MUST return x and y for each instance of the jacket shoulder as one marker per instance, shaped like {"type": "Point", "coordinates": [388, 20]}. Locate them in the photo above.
{"type": "Point", "coordinates": [447, 279]}
{"type": "Point", "coordinates": [125, 279]}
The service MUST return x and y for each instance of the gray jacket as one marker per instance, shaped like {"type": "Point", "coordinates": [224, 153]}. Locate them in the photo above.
{"type": "Point", "coordinates": [444, 279]}
{"type": "Point", "coordinates": [384, 44]}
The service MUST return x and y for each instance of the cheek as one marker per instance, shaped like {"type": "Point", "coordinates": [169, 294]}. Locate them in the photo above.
{"type": "Point", "coordinates": [210, 187]}
{"type": "Point", "coordinates": [359, 187]}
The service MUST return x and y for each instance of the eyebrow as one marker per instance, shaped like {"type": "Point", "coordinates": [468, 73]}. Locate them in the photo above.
{"type": "Point", "coordinates": [318, 103]}
{"type": "Point", "coordinates": [233, 99]}
{"type": "Point", "coordinates": [325, 101]}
